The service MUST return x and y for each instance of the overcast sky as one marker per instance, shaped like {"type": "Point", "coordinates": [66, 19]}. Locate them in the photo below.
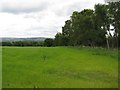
{"type": "Point", "coordinates": [38, 18]}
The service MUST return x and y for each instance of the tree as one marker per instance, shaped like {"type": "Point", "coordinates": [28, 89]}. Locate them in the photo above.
{"type": "Point", "coordinates": [67, 33]}
{"type": "Point", "coordinates": [114, 12]}
{"type": "Point", "coordinates": [49, 42]}
{"type": "Point", "coordinates": [58, 39]}
{"type": "Point", "coordinates": [101, 23]}
{"type": "Point", "coordinates": [82, 27]}
{"type": "Point", "coordinates": [92, 27]}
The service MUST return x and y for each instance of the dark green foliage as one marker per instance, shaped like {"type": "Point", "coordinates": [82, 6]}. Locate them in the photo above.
{"type": "Point", "coordinates": [58, 39]}
{"type": "Point", "coordinates": [22, 43]}
{"type": "Point", "coordinates": [114, 11]}
{"type": "Point", "coordinates": [92, 27]}
{"type": "Point", "coordinates": [49, 42]}
{"type": "Point", "coordinates": [61, 40]}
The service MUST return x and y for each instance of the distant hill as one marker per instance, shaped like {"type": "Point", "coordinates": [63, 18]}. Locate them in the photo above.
{"type": "Point", "coordinates": [24, 39]}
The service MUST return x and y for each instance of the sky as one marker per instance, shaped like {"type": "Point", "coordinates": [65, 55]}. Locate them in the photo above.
{"type": "Point", "coordinates": [38, 18]}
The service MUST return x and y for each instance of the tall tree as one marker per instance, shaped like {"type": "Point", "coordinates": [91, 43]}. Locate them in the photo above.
{"type": "Point", "coordinates": [114, 12]}
{"type": "Point", "coordinates": [92, 27]}
{"type": "Point", "coordinates": [101, 23]}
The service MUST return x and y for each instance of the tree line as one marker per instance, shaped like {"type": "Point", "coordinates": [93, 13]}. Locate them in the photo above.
{"type": "Point", "coordinates": [47, 42]}
{"type": "Point", "coordinates": [22, 43]}
{"type": "Point", "coordinates": [95, 28]}
{"type": "Point", "coordinates": [92, 27]}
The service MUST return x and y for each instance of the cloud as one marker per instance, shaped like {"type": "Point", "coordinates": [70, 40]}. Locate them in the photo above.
{"type": "Point", "coordinates": [28, 6]}
{"type": "Point", "coordinates": [66, 7]}
{"type": "Point", "coordinates": [38, 18]}
{"type": "Point", "coordinates": [112, 0]}
{"type": "Point", "coordinates": [20, 6]}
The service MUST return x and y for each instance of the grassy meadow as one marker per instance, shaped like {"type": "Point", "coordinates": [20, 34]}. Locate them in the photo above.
{"type": "Point", "coordinates": [59, 67]}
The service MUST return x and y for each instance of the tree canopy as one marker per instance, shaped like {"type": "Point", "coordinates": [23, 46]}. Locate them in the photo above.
{"type": "Point", "coordinates": [92, 27]}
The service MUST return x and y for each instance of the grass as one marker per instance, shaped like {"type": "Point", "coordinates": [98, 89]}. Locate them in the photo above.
{"type": "Point", "coordinates": [59, 67]}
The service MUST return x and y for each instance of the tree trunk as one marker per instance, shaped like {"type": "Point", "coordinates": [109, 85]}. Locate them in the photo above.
{"type": "Point", "coordinates": [108, 44]}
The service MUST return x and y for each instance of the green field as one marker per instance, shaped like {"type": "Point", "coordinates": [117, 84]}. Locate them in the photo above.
{"type": "Point", "coordinates": [61, 67]}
